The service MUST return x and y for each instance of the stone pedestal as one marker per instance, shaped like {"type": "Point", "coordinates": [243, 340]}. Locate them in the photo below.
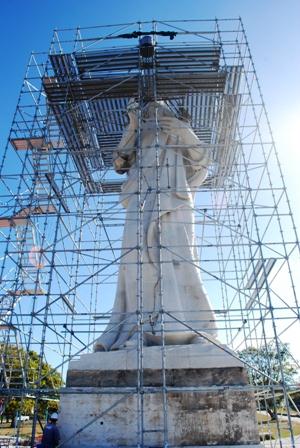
{"type": "Point", "coordinates": [207, 400]}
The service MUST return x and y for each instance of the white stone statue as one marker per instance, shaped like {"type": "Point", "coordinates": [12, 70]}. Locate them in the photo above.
{"type": "Point", "coordinates": [168, 216]}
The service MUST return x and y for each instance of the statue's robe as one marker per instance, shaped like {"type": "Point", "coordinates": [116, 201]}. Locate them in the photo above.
{"type": "Point", "coordinates": [170, 168]}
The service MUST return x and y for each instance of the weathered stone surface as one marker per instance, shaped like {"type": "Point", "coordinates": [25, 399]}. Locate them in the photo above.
{"type": "Point", "coordinates": [174, 377]}
{"type": "Point", "coordinates": [194, 419]}
{"type": "Point", "coordinates": [220, 416]}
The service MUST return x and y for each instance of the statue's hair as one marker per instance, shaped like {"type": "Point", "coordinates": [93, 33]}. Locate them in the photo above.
{"type": "Point", "coordinates": [150, 108]}
{"type": "Point", "coordinates": [159, 107]}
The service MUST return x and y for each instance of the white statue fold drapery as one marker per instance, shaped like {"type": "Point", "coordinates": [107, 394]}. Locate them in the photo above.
{"type": "Point", "coordinates": [172, 163]}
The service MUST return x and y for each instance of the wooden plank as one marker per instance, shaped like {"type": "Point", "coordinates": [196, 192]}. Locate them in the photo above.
{"type": "Point", "coordinates": [27, 143]}
{"type": "Point", "coordinates": [21, 144]}
{"type": "Point", "coordinates": [27, 292]}
{"type": "Point", "coordinates": [21, 217]}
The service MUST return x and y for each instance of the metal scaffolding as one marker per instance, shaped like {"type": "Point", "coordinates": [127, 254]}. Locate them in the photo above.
{"type": "Point", "coordinates": [61, 219]}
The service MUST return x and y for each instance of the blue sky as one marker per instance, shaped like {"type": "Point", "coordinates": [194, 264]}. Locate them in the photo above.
{"type": "Point", "coordinates": [272, 26]}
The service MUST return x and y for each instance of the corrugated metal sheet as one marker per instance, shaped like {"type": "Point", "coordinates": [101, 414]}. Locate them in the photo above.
{"type": "Point", "coordinates": [89, 92]}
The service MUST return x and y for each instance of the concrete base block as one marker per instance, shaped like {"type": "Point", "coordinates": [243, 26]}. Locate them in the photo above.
{"type": "Point", "coordinates": [175, 357]}
{"type": "Point", "coordinates": [204, 406]}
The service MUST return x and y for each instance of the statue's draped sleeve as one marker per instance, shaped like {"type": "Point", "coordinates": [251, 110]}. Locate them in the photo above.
{"type": "Point", "coordinates": [189, 158]}
{"type": "Point", "coordinates": [195, 157]}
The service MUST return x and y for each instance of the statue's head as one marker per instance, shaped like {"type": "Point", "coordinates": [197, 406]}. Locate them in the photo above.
{"type": "Point", "coordinates": [150, 109]}
{"type": "Point", "coordinates": [132, 105]}
{"type": "Point", "coordinates": [157, 108]}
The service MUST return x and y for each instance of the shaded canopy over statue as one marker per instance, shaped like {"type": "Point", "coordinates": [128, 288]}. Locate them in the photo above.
{"type": "Point", "coordinates": [164, 162]}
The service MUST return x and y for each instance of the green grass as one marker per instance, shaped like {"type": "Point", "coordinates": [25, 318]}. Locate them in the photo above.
{"type": "Point", "coordinates": [268, 426]}
{"type": "Point", "coordinates": [25, 430]}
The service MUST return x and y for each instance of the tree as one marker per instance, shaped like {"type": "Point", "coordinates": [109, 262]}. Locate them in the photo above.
{"type": "Point", "coordinates": [20, 371]}
{"type": "Point", "coordinates": [272, 368]}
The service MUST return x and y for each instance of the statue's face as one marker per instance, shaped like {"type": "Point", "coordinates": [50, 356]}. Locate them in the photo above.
{"type": "Point", "coordinates": [150, 110]}
{"type": "Point", "coordinates": [132, 106]}
{"type": "Point", "coordinates": [157, 107]}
